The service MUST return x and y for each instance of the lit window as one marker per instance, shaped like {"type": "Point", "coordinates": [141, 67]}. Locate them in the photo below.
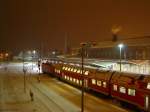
{"type": "Point", "coordinates": [68, 69]}
{"type": "Point", "coordinates": [86, 72]}
{"type": "Point", "coordinates": [74, 80]}
{"type": "Point", "coordinates": [80, 82]}
{"type": "Point", "coordinates": [77, 81]}
{"type": "Point", "coordinates": [131, 92]}
{"type": "Point", "coordinates": [104, 84]}
{"type": "Point", "coordinates": [63, 68]}
{"type": "Point", "coordinates": [148, 86]}
{"type": "Point", "coordinates": [115, 87]}
{"type": "Point", "coordinates": [72, 69]}
{"type": "Point", "coordinates": [75, 70]}
{"type": "Point", "coordinates": [70, 78]}
{"type": "Point", "coordinates": [78, 71]}
{"type": "Point", "coordinates": [65, 77]}
{"type": "Point", "coordinates": [122, 90]}
{"type": "Point", "coordinates": [93, 81]}
{"type": "Point", "coordinates": [99, 83]}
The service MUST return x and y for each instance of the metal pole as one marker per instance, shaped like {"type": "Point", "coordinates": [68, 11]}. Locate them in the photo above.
{"type": "Point", "coordinates": [82, 94]}
{"type": "Point", "coordinates": [32, 61]}
{"type": "Point", "coordinates": [24, 71]}
{"type": "Point", "coordinates": [120, 59]}
{"type": "Point", "coordinates": [24, 81]}
{"type": "Point", "coordinates": [39, 65]}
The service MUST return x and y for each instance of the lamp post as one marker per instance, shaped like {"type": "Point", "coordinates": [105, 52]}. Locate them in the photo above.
{"type": "Point", "coordinates": [24, 72]}
{"type": "Point", "coordinates": [120, 48]}
{"type": "Point", "coordinates": [82, 77]}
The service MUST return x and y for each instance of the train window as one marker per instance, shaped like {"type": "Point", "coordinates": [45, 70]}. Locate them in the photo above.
{"type": "Point", "coordinates": [148, 86]}
{"type": "Point", "coordinates": [63, 68]}
{"type": "Point", "coordinates": [68, 69]}
{"type": "Point", "coordinates": [78, 71]}
{"type": "Point", "coordinates": [131, 92]}
{"type": "Point", "coordinates": [115, 87]}
{"type": "Point", "coordinates": [65, 77]}
{"type": "Point", "coordinates": [70, 78]}
{"type": "Point", "coordinates": [122, 89]}
{"type": "Point", "coordinates": [75, 70]}
{"type": "Point", "coordinates": [86, 72]}
{"type": "Point", "coordinates": [77, 81]}
{"type": "Point", "coordinates": [104, 84]}
{"type": "Point", "coordinates": [99, 83]}
{"type": "Point", "coordinates": [93, 81]}
{"type": "Point", "coordinates": [72, 69]}
{"type": "Point", "coordinates": [80, 82]}
{"type": "Point", "coordinates": [74, 80]}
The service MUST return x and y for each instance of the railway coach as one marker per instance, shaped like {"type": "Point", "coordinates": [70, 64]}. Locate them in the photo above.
{"type": "Point", "coordinates": [127, 87]}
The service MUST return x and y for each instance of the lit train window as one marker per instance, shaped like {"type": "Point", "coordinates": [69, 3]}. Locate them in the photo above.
{"type": "Point", "coordinates": [74, 80]}
{"type": "Point", "coordinates": [122, 89]}
{"type": "Point", "coordinates": [78, 71]}
{"type": "Point", "coordinates": [63, 68]}
{"type": "Point", "coordinates": [86, 72]}
{"type": "Point", "coordinates": [71, 69]}
{"type": "Point", "coordinates": [131, 92]}
{"type": "Point", "coordinates": [77, 81]}
{"type": "Point", "coordinates": [148, 86]}
{"type": "Point", "coordinates": [99, 83]}
{"type": "Point", "coordinates": [93, 81]}
{"type": "Point", "coordinates": [65, 76]}
{"type": "Point", "coordinates": [75, 70]}
{"type": "Point", "coordinates": [59, 71]}
{"type": "Point", "coordinates": [80, 82]}
{"type": "Point", "coordinates": [115, 87]}
{"type": "Point", "coordinates": [68, 69]}
{"type": "Point", "coordinates": [70, 78]}
{"type": "Point", "coordinates": [104, 84]}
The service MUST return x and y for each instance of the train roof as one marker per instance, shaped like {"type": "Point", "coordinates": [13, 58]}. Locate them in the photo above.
{"type": "Point", "coordinates": [125, 78]}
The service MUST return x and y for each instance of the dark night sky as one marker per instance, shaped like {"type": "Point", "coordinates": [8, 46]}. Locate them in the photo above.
{"type": "Point", "coordinates": [25, 24]}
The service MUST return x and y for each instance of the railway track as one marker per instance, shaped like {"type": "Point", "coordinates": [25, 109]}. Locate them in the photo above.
{"type": "Point", "coordinates": [49, 100]}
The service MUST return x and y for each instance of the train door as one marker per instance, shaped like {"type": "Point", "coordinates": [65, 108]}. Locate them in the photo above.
{"type": "Point", "coordinates": [147, 103]}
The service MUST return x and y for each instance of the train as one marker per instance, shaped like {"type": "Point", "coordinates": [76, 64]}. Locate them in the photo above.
{"type": "Point", "coordinates": [127, 87]}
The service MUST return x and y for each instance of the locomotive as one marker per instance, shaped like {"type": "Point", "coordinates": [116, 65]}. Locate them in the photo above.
{"type": "Point", "coordinates": [127, 87]}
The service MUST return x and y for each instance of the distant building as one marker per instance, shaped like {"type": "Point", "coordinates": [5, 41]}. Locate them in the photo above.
{"type": "Point", "coordinates": [5, 56]}
{"type": "Point", "coordinates": [135, 53]}
{"type": "Point", "coordinates": [133, 49]}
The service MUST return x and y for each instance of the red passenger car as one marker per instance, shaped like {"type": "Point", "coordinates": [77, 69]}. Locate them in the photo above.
{"type": "Point", "coordinates": [129, 88]}
{"type": "Point", "coordinates": [100, 81]}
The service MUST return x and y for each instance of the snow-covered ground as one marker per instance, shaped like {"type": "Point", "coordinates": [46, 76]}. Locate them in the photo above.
{"type": "Point", "coordinates": [50, 95]}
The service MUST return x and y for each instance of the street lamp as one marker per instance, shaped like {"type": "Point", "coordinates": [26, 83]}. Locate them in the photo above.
{"type": "Point", "coordinates": [120, 47]}
{"type": "Point", "coordinates": [82, 76]}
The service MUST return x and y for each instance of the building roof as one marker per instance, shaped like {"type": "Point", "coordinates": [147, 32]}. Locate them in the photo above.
{"type": "Point", "coordinates": [139, 41]}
